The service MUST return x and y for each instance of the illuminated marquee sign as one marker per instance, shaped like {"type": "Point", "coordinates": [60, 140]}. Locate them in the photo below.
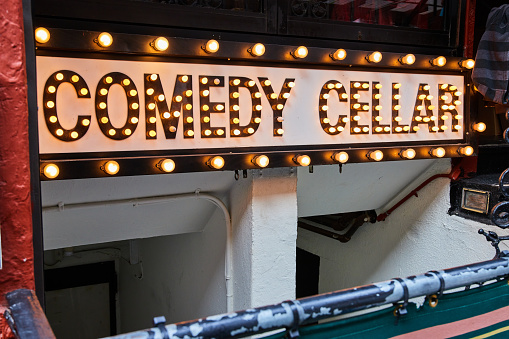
{"type": "Point", "coordinates": [98, 109]}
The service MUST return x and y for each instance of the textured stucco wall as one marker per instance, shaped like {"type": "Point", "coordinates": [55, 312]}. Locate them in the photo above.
{"type": "Point", "coordinates": [264, 215]}
{"type": "Point", "coordinates": [418, 237]}
{"type": "Point", "coordinates": [15, 214]}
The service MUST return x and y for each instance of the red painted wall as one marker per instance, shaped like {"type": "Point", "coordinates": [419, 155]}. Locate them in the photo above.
{"type": "Point", "coordinates": [15, 204]}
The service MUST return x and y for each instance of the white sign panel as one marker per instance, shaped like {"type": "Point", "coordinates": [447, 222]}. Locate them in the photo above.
{"type": "Point", "coordinates": [89, 105]}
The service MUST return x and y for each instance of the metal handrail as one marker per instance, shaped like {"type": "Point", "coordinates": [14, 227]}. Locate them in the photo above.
{"type": "Point", "coordinates": [295, 313]}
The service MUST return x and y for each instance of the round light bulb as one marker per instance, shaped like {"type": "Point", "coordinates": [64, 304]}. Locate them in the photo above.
{"type": "Point", "coordinates": [42, 35]}
{"type": "Point", "coordinates": [300, 52]}
{"type": "Point", "coordinates": [408, 59]}
{"type": "Point", "coordinates": [160, 44]}
{"type": "Point", "coordinates": [467, 63]}
{"type": "Point", "coordinates": [104, 39]}
{"type": "Point", "coordinates": [51, 171]}
{"type": "Point", "coordinates": [467, 150]}
{"type": "Point", "coordinates": [438, 152]}
{"type": "Point", "coordinates": [375, 57]}
{"type": "Point", "coordinates": [408, 153]}
{"type": "Point", "coordinates": [216, 162]}
{"type": "Point", "coordinates": [302, 160]}
{"type": "Point", "coordinates": [166, 165]}
{"type": "Point", "coordinates": [212, 46]}
{"type": "Point", "coordinates": [340, 157]}
{"type": "Point", "coordinates": [111, 167]}
{"type": "Point", "coordinates": [479, 127]}
{"type": "Point", "coordinates": [439, 61]}
{"type": "Point", "coordinates": [261, 160]}
{"type": "Point", "coordinates": [257, 50]}
{"type": "Point", "coordinates": [376, 155]}
{"type": "Point", "coordinates": [340, 54]}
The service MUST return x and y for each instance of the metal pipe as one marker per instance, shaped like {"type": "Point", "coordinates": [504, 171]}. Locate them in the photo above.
{"type": "Point", "coordinates": [291, 314]}
{"type": "Point", "coordinates": [165, 199]}
{"type": "Point", "coordinates": [453, 175]}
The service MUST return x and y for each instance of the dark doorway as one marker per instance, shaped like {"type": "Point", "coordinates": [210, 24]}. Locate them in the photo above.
{"type": "Point", "coordinates": [308, 273]}
{"type": "Point", "coordinates": [80, 300]}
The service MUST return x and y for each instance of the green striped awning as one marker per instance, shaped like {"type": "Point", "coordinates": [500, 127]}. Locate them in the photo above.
{"type": "Point", "coordinates": [477, 313]}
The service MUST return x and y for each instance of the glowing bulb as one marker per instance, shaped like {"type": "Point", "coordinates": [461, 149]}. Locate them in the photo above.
{"type": "Point", "coordinates": [190, 133]}
{"type": "Point", "coordinates": [397, 107]}
{"type": "Point", "coordinates": [236, 132]}
{"type": "Point", "coordinates": [258, 107]}
{"type": "Point", "coordinates": [378, 118]}
{"type": "Point", "coordinates": [261, 161]}
{"type": "Point", "coordinates": [85, 122]}
{"type": "Point", "coordinates": [290, 84]}
{"type": "Point", "coordinates": [59, 132]}
{"type": "Point", "coordinates": [378, 86]}
{"type": "Point", "coordinates": [112, 132]}
{"type": "Point", "coordinates": [235, 107]}
{"type": "Point", "coordinates": [111, 167]}
{"type": "Point", "coordinates": [150, 91]}
{"type": "Point", "coordinates": [408, 153]}
{"type": "Point", "coordinates": [467, 63]}
{"type": "Point", "coordinates": [356, 130]}
{"type": "Point", "coordinates": [204, 81]}
{"type": "Point", "coordinates": [356, 118]}
{"type": "Point", "coordinates": [273, 96]}
{"type": "Point", "coordinates": [257, 120]}
{"type": "Point", "coordinates": [408, 59]}
{"type": "Point", "coordinates": [340, 157]}
{"type": "Point", "coordinates": [332, 129]}
{"type": "Point", "coordinates": [324, 107]}
{"type": "Point", "coordinates": [59, 76]}
{"type": "Point", "coordinates": [212, 46]}
{"type": "Point", "coordinates": [397, 97]}
{"type": "Point", "coordinates": [467, 151]}
{"type": "Point", "coordinates": [220, 132]}
{"type": "Point", "coordinates": [52, 89]}
{"type": "Point", "coordinates": [375, 57]}
{"type": "Point", "coordinates": [302, 160]}
{"type": "Point", "coordinates": [176, 114]}
{"type": "Point", "coordinates": [160, 44]}
{"type": "Point", "coordinates": [398, 119]}
{"type": "Point", "coordinates": [479, 127]}
{"type": "Point", "coordinates": [133, 92]}
{"type": "Point", "coordinates": [331, 86]}
{"type": "Point", "coordinates": [396, 85]}
{"type": "Point", "coordinates": [439, 61]}
{"type": "Point", "coordinates": [416, 128]}
{"type": "Point", "coordinates": [422, 96]}
{"type": "Point", "coordinates": [127, 131]}
{"type": "Point", "coordinates": [398, 129]}
{"type": "Point", "coordinates": [378, 129]}
{"type": "Point", "coordinates": [153, 77]}
{"type": "Point", "coordinates": [356, 96]}
{"type": "Point", "coordinates": [74, 134]}
{"type": "Point", "coordinates": [257, 50]}
{"type": "Point", "coordinates": [344, 96]}
{"type": "Point", "coordinates": [166, 165]}
{"type": "Point", "coordinates": [280, 131]}
{"type": "Point", "coordinates": [280, 106]}
{"type": "Point", "coordinates": [206, 119]}
{"type": "Point", "coordinates": [300, 52]}
{"type": "Point", "coordinates": [267, 83]}
{"type": "Point", "coordinates": [104, 39]}
{"type": "Point", "coordinates": [251, 83]}
{"type": "Point", "coordinates": [426, 87]}
{"type": "Point", "coordinates": [216, 162]}
{"type": "Point", "coordinates": [51, 171]}
{"type": "Point", "coordinates": [339, 54]}
{"type": "Point", "coordinates": [437, 152]}
{"type": "Point", "coordinates": [50, 104]}
{"type": "Point", "coordinates": [184, 78]}
{"type": "Point", "coordinates": [378, 96]}
{"type": "Point", "coordinates": [376, 155]}
{"type": "Point", "coordinates": [207, 132]}
{"type": "Point", "coordinates": [42, 35]}
{"type": "Point", "coordinates": [453, 88]}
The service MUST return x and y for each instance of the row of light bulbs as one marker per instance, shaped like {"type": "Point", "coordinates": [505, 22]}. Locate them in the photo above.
{"type": "Point", "coordinates": [161, 44]}
{"type": "Point", "coordinates": [111, 167]}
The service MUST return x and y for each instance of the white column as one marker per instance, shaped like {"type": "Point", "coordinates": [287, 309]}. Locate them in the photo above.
{"type": "Point", "coordinates": [264, 214]}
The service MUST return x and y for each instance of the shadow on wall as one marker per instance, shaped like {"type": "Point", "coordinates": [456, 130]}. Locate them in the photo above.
{"type": "Point", "coordinates": [418, 237]}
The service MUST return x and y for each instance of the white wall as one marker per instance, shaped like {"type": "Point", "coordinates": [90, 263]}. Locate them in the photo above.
{"type": "Point", "coordinates": [183, 278]}
{"type": "Point", "coordinates": [418, 237]}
